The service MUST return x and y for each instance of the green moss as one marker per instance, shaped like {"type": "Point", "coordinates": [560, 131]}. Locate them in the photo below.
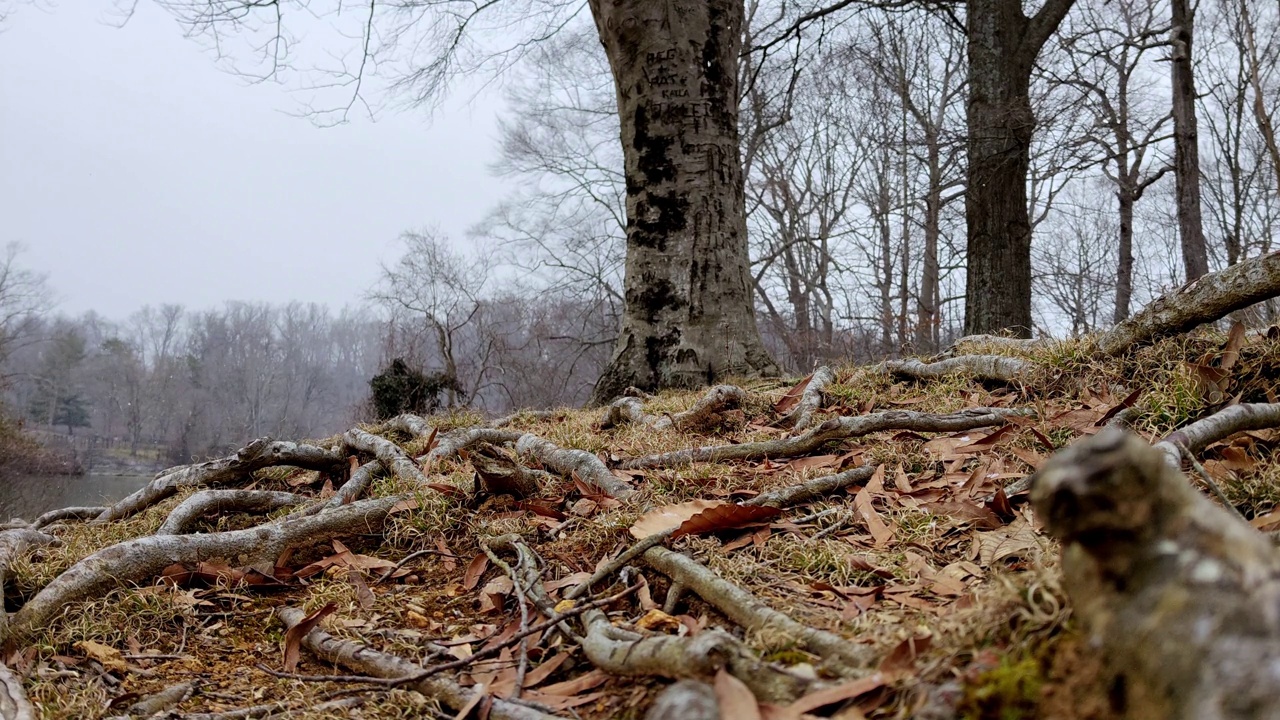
{"type": "Point", "coordinates": [1009, 691]}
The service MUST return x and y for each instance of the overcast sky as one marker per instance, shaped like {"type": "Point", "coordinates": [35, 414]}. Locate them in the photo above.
{"type": "Point", "coordinates": [136, 172]}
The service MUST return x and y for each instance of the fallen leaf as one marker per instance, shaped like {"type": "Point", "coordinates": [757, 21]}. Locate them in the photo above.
{"type": "Point", "coordinates": [657, 621]}
{"type": "Point", "coordinates": [735, 699]}
{"type": "Point", "coordinates": [669, 517]}
{"type": "Point", "coordinates": [1231, 351]}
{"type": "Point", "coordinates": [109, 657]}
{"type": "Point", "coordinates": [725, 517]}
{"type": "Point", "coordinates": [475, 569]}
{"type": "Point", "coordinates": [293, 636]}
{"type": "Point", "coordinates": [845, 691]}
{"type": "Point", "coordinates": [364, 595]}
{"type": "Point", "coordinates": [902, 658]}
{"type": "Point", "coordinates": [879, 530]}
{"type": "Point", "coordinates": [1016, 540]}
{"type": "Point", "coordinates": [792, 396]}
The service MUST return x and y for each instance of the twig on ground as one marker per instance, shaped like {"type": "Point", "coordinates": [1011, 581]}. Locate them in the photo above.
{"type": "Point", "coordinates": [840, 428]}
{"type": "Point", "coordinates": [801, 416]}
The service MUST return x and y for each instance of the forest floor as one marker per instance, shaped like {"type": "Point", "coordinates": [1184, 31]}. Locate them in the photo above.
{"type": "Point", "coordinates": [941, 584]}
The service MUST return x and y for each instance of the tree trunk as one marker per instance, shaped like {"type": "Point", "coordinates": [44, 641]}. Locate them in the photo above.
{"type": "Point", "coordinates": [927, 298]}
{"type": "Point", "coordinates": [1000, 123]}
{"type": "Point", "coordinates": [1002, 47]}
{"type": "Point", "coordinates": [1186, 150]}
{"type": "Point", "coordinates": [688, 317]}
{"type": "Point", "coordinates": [1124, 269]}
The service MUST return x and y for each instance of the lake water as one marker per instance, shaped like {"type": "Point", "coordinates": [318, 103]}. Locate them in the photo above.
{"type": "Point", "coordinates": [27, 496]}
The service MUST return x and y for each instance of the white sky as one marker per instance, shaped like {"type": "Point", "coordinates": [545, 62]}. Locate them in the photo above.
{"type": "Point", "coordinates": [136, 172]}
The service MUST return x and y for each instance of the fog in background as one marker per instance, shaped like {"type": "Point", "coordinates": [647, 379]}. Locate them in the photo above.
{"type": "Point", "coordinates": [136, 171]}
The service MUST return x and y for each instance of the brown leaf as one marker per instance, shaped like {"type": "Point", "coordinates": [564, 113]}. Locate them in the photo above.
{"type": "Point", "coordinates": [1231, 351]}
{"type": "Point", "coordinates": [1124, 404]}
{"type": "Point", "coordinates": [668, 517]}
{"type": "Point", "coordinates": [657, 621]}
{"type": "Point", "coordinates": [364, 595]}
{"type": "Point", "coordinates": [595, 678]}
{"type": "Point", "coordinates": [879, 530]}
{"type": "Point", "coordinates": [965, 511]}
{"type": "Point", "coordinates": [735, 698]}
{"type": "Point", "coordinates": [1001, 506]}
{"type": "Point", "coordinates": [792, 396]}
{"type": "Point", "coordinates": [109, 657]}
{"type": "Point", "coordinates": [725, 517]}
{"type": "Point", "coordinates": [816, 461]}
{"type": "Point", "coordinates": [988, 442]}
{"type": "Point", "coordinates": [475, 569]}
{"type": "Point", "coordinates": [293, 636]}
{"type": "Point", "coordinates": [452, 491]}
{"type": "Point", "coordinates": [899, 662]}
{"type": "Point", "coordinates": [839, 693]}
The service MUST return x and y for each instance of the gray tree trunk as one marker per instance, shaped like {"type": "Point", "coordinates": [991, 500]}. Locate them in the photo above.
{"type": "Point", "coordinates": [1002, 46]}
{"type": "Point", "coordinates": [1186, 148]}
{"type": "Point", "coordinates": [688, 317]}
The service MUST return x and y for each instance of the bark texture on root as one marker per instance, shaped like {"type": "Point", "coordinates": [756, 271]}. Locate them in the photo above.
{"type": "Point", "coordinates": [12, 544]}
{"type": "Point", "coordinates": [388, 453]}
{"type": "Point", "coordinates": [746, 610]}
{"type": "Point", "coordinates": [631, 410]}
{"type": "Point", "coordinates": [810, 400]}
{"type": "Point", "coordinates": [208, 502]}
{"type": "Point", "coordinates": [259, 454]}
{"type": "Point", "coordinates": [67, 513]}
{"type": "Point", "coordinates": [506, 420]}
{"type": "Point", "coordinates": [1179, 594]}
{"type": "Point", "coordinates": [840, 428]}
{"type": "Point", "coordinates": [569, 462]}
{"type": "Point", "coordinates": [817, 487]}
{"type": "Point", "coordinates": [368, 661]}
{"type": "Point", "coordinates": [410, 424]}
{"type": "Point", "coordinates": [141, 559]}
{"type": "Point", "coordinates": [621, 652]}
{"type": "Point", "coordinates": [1001, 368]}
{"type": "Point", "coordinates": [448, 444]}
{"type": "Point", "coordinates": [1208, 298]}
{"type": "Point", "coordinates": [1198, 435]}
{"type": "Point", "coordinates": [14, 704]}
{"type": "Point", "coordinates": [686, 700]}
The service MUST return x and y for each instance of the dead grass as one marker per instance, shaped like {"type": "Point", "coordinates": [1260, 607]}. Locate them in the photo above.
{"type": "Point", "coordinates": [998, 622]}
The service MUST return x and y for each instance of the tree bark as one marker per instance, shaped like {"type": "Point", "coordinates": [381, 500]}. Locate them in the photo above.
{"type": "Point", "coordinates": [1002, 47]}
{"type": "Point", "coordinates": [688, 318]}
{"type": "Point", "coordinates": [1186, 150]}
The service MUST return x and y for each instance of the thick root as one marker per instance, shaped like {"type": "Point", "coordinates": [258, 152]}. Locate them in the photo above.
{"type": "Point", "coordinates": [1180, 595]}
{"type": "Point", "coordinates": [207, 502]}
{"type": "Point", "coordinates": [364, 659]}
{"type": "Point", "coordinates": [261, 453]}
{"type": "Point", "coordinates": [840, 428]}
{"type": "Point", "coordinates": [568, 462]}
{"type": "Point", "coordinates": [1000, 368]}
{"type": "Point", "coordinates": [141, 559]}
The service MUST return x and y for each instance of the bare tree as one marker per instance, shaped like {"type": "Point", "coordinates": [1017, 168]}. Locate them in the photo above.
{"type": "Point", "coordinates": [1107, 50]}
{"type": "Point", "coordinates": [1186, 142]}
{"type": "Point", "coordinates": [433, 287]}
{"type": "Point", "coordinates": [24, 296]}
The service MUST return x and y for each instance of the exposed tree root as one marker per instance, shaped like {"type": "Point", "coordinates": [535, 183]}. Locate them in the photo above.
{"type": "Point", "coordinates": [622, 652]}
{"type": "Point", "coordinates": [366, 660]}
{"type": "Point", "coordinates": [584, 465]}
{"type": "Point", "coordinates": [409, 424]}
{"type": "Point", "coordinates": [208, 502]}
{"type": "Point", "coordinates": [801, 416]}
{"type": "Point", "coordinates": [629, 409]}
{"type": "Point", "coordinates": [353, 489]}
{"type": "Point", "coordinates": [1180, 595]}
{"type": "Point", "coordinates": [448, 444]}
{"type": "Point", "coordinates": [840, 428]}
{"type": "Point", "coordinates": [686, 700]}
{"type": "Point", "coordinates": [12, 544]}
{"type": "Point", "coordinates": [1001, 368]}
{"type": "Point", "coordinates": [838, 654]}
{"type": "Point", "coordinates": [69, 513]}
{"type": "Point", "coordinates": [261, 453]}
{"type": "Point", "coordinates": [1218, 426]}
{"type": "Point", "coordinates": [166, 699]}
{"type": "Point", "coordinates": [388, 453]}
{"type": "Point", "coordinates": [14, 704]}
{"type": "Point", "coordinates": [143, 558]}
{"type": "Point", "coordinates": [1208, 298]}
{"type": "Point", "coordinates": [274, 710]}
{"type": "Point", "coordinates": [817, 487]}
